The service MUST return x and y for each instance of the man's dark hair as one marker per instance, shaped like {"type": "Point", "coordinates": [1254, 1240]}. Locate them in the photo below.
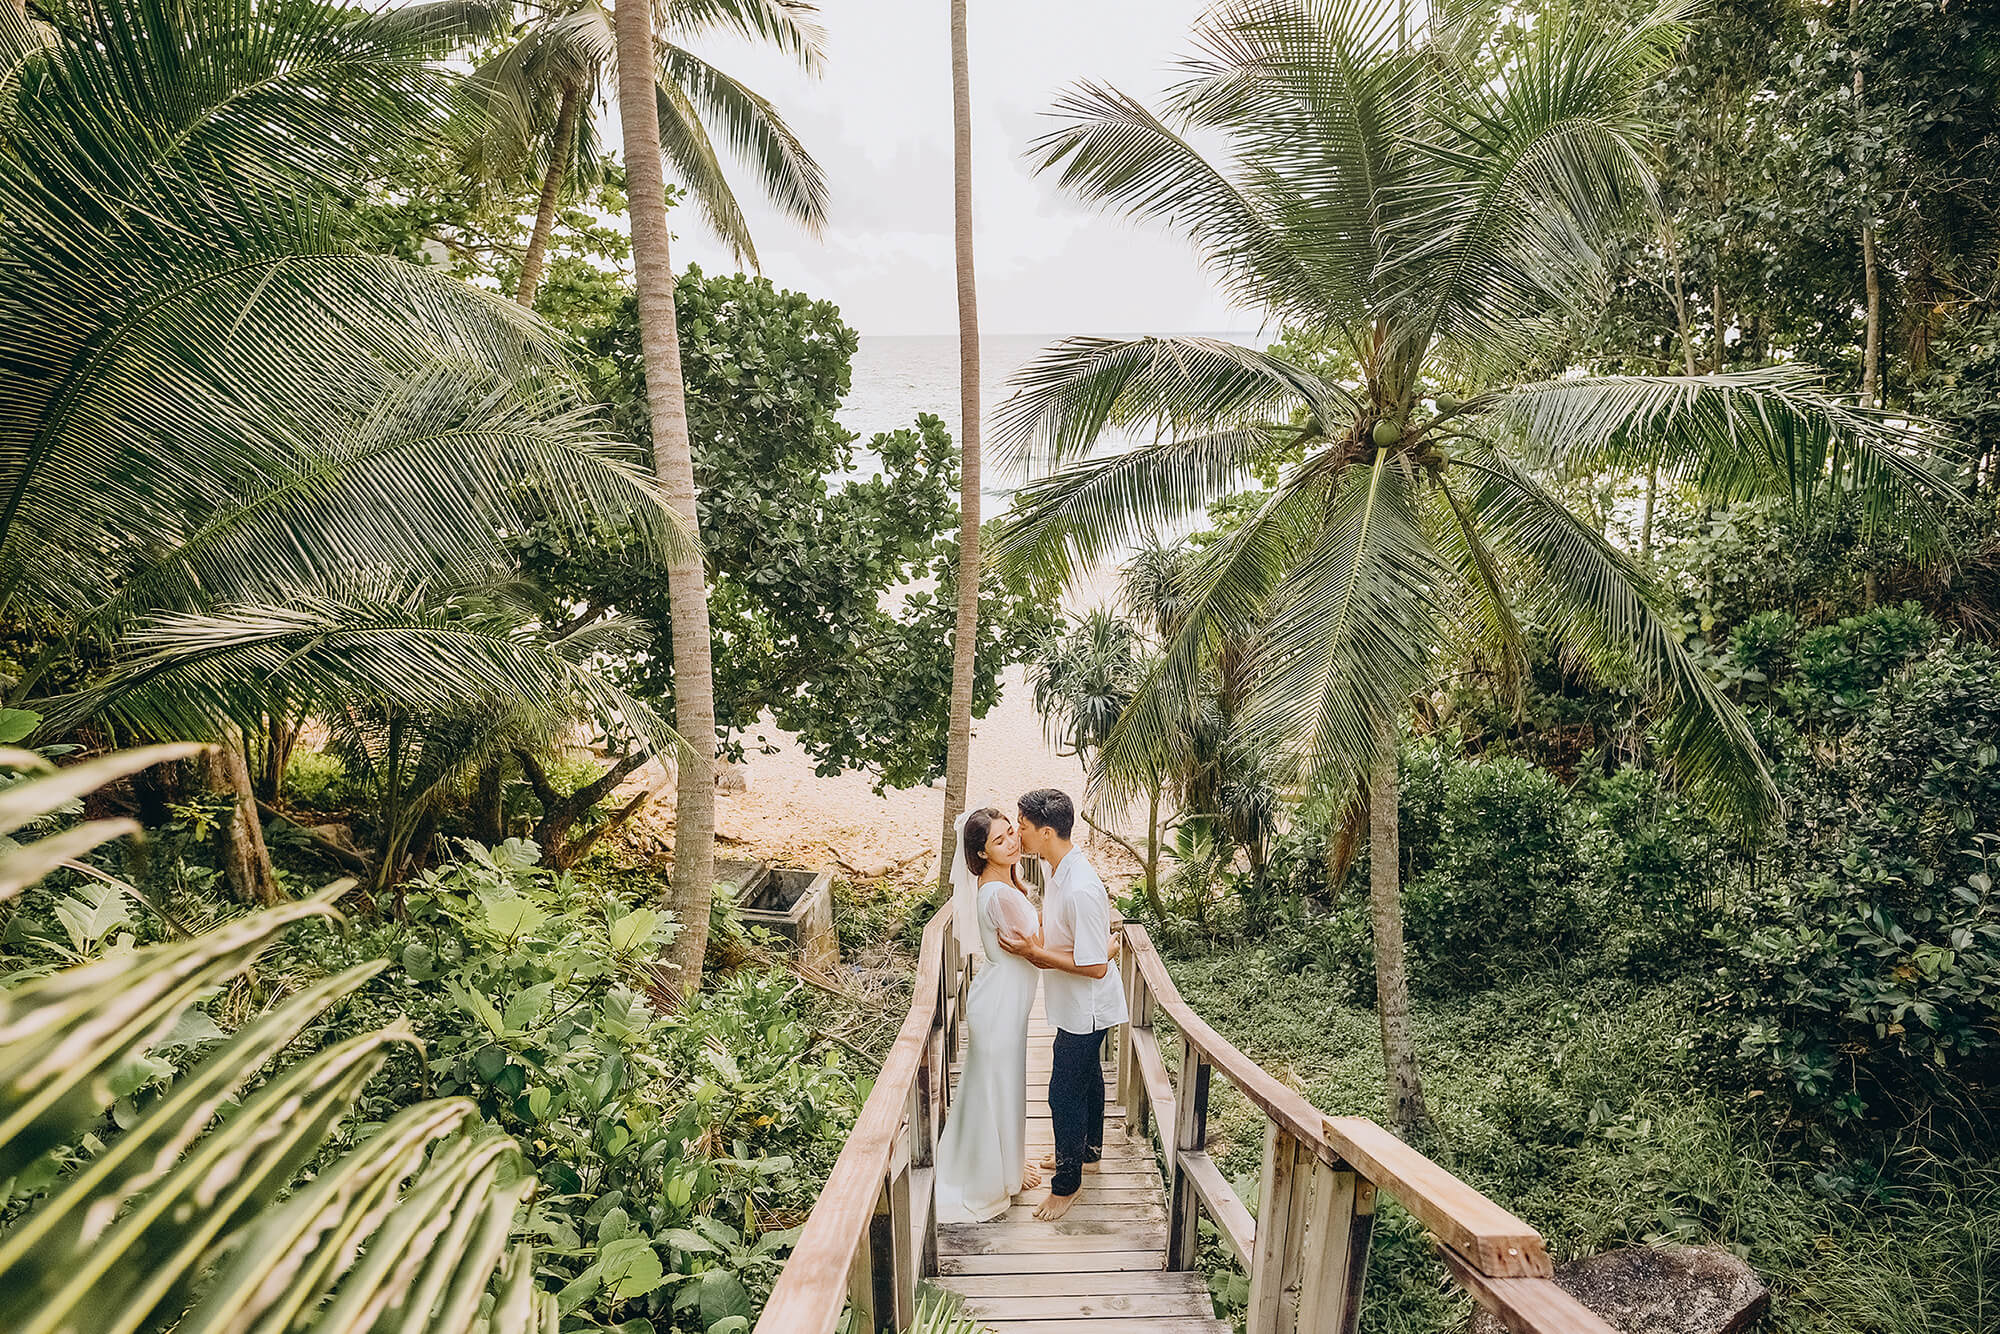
{"type": "Point", "coordinates": [1049, 808]}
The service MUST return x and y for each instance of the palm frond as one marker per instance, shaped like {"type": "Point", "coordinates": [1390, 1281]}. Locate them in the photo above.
{"type": "Point", "coordinates": [1499, 228]}
{"type": "Point", "coordinates": [1113, 152]}
{"type": "Point", "coordinates": [1351, 629]}
{"type": "Point", "coordinates": [1067, 396]}
{"type": "Point", "coordinates": [1596, 603]}
{"type": "Point", "coordinates": [791, 26]}
{"type": "Point", "coordinates": [1225, 595]}
{"type": "Point", "coordinates": [755, 132]}
{"type": "Point", "coordinates": [685, 143]}
{"type": "Point", "coordinates": [414, 651]}
{"type": "Point", "coordinates": [1769, 432]}
{"type": "Point", "coordinates": [1069, 521]}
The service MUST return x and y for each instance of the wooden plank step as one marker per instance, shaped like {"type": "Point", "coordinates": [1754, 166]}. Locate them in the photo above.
{"type": "Point", "coordinates": [1092, 1209]}
{"type": "Point", "coordinates": [1042, 1262]}
{"type": "Point", "coordinates": [1097, 1283]}
{"type": "Point", "coordinates": [1061, 1236]}
{"type": "Point", "coordinates": [1114, 1325]}
{"type": "Point", "coordinates": [1091, 1306]}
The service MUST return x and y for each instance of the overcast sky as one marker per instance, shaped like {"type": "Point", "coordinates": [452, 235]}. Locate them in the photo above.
{"type": "Point", "coordinates": [879, 121]}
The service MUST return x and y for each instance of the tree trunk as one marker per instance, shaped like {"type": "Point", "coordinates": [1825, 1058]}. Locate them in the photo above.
{"type": "Point", "coordinates": [1871, 275]}
{"type": "Point", "coordinates": [693, 872]}
{"type": "Point", "coordinates": [552, 184]}
{"type": "Point", "coordinates": [246, 862]}
{"type": "Point", "coordinates": [489, 802]}
{"type": "Point", "coordinates": [1153, 856]}
{"type": "Point", "coordinates": [1715, 358]}
{"type": "Point", "coordinates": [282, 736]}
{"type": "Point", "coordinates": [965, 636]}
{"type": "Point", "coordinates": [1646, 519]}
{"type": "Point", "coordinates": [1385, 904]}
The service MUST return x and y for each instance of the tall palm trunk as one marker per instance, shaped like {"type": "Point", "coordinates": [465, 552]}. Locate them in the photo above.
{"type": "Point", "coordinates": [552, 184]}
{"type": "Point", "coordinates": [1385, 907]}
{"type": "Point", "coordinates": [673, 461]}
{"type": "Point", "coordinates": [1871, 273]}
{"type": "Point", "coordinates": [965, 640]}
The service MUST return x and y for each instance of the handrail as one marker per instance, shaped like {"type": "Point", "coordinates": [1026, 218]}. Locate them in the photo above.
{"type": "Point", "coordinates": [1499, 1259]}
{"type": "Point", "coordinates": [873, 1229]}
{"type": "Point", "coordinates": [860, 1196]}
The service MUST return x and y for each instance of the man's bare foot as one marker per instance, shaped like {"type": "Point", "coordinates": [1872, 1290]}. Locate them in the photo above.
{"type": "Point", "coordinates": [1049, 1165]}
{"type": "Point", "coordinates": [1055, 1206]}
{"type": "Point", "coordinates": [1030, 1178]}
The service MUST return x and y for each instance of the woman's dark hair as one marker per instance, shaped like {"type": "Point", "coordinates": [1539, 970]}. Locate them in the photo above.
{"type": "Point", "coordinates": [978, 826]}
{"type": "Point", "coordinates": [1049, 808]}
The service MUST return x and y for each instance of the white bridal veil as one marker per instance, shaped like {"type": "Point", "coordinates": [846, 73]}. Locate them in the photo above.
{"type": "Point", "coordinates": [965, 897]}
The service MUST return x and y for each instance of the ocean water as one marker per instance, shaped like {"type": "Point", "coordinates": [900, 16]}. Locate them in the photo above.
{"type": "Point", "coordinates": [897, 377]}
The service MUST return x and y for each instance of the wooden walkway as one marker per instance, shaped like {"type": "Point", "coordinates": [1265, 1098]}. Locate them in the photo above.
{"type": "Point", "coordinates": [1102, 1263]}
{"type": "Point", "coordinates": [1124, 1259]}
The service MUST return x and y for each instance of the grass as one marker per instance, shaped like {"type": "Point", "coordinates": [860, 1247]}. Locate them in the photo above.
{"type": "Point", "coordinates": [1579, 1103]}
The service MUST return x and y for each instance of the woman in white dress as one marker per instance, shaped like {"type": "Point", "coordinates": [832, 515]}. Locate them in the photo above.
{"type": "Point", "coordinates": [982, 1159]}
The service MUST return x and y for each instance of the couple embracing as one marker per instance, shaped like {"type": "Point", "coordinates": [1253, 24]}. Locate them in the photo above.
{"type": "Point", "coordinates": [982, 1159]}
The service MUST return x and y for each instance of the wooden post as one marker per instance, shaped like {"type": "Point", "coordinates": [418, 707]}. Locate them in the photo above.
{"type": "Point", "coordinates": [902, 1251]}
{"type": "Point", "coordinates": [923, 1129]}
{"type": "Point", "coordinates": [1342, 1222]}
{"type": "Point", "coordinates": [1279, 1253]}
{"type": "Point", "coordinates": [861, 1285]}
{"type": "Point", "coordinates": [1128, 1066]}
{"type": "Point", "coordinates": [1190, 1136]}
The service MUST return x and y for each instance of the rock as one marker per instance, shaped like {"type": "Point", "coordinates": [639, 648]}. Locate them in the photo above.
{"type": "Point", "coordinates": [1661, 1290]}
{"type": "Point", "coordinates": [732, 777]}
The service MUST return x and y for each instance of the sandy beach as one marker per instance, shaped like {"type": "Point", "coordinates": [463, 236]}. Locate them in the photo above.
{"type": "Point", "coordinates": [788, 813]}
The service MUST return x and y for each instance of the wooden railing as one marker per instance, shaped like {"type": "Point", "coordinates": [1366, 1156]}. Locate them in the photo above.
{"type": "Point", "coordinates": [873, 1231]}
{"type": "Point", "coordinates": [1306, 1250]}
{"type": "Point", "coordinates": [873, 1228]}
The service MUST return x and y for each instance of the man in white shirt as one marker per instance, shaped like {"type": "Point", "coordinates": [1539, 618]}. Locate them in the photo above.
{"type": "Point", "coordinates": [1082, 990]}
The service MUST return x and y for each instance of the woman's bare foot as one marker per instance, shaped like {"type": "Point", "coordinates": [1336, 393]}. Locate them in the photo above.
{"type": "Point", "coordinates": [1030, 1178]}
{"type": "Point", "coordinates": [1049, 1165]}
{"type": "Point", "coordinates": [1055, 1206]}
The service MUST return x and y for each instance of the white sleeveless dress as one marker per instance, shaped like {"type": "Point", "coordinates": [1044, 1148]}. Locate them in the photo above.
{"type": "Point", "coordinates": [982, 1152]}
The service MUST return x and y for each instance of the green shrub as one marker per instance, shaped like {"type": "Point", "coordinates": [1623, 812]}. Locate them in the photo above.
{"type": "Point", "coordinates": [677, 1148]}
{"type": "Point", "coordinates": [1491, 871]}
{"type": "Point", "coordinates": [318, 780]}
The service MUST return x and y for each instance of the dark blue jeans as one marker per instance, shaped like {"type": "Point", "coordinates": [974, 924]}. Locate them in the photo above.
{"type": "Point", "coordinates": [1076, 1106]}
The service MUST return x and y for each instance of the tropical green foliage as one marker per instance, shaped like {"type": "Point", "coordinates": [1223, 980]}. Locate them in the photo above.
{"type": "Point", "coordinates": [226, 433]}
{"type": "Point", "coordinates": [115, 1227]}
{"type": "Point", "coordinates": [1383, 197]}
{"type": "Point", "coordinates": [822, 581]}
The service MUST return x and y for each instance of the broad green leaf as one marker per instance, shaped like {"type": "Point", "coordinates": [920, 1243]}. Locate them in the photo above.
{"type": "Point", "coordinates": [631, 1268]}
{"type": "Point", "coordinates": [527, 1005]}
{"type": "Point", "coordinates": [722, 1296]}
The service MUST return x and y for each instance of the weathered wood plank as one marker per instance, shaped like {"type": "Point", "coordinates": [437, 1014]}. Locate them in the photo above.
{"type": "Point", "coordinates": [1230, 1215]}
{"type": "Point", "coordinates": [1077, 1284]}
{"type": "Point", "coordinates": [958, 1239]}
{"type": "Point", "coordinates": [1283, 1193]}
{"type": "Point", "coordinates": [1091, 1306]}
{"type": "Point", "coordinates": [1526, 1305]}
{"type": "Point", "coordinates": [1498, 1244]}
{"type": "Point", "coordinates": [1091, 1207]}
{"type": "Point", "coordinates": [1047, 1262]}
{"type": "Point", "coordinates": [1190, 1136]}
{"type": "Point", "coordinates": [1338, 1232]}
{"type": "Point", "coordinates": [1137, 1324]}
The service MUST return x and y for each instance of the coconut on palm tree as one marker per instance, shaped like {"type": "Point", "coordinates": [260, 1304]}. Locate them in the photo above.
{"type": "Point", "coordinates": [544, 89]}
{"type": "Point", "coordinates": [1395, 197]}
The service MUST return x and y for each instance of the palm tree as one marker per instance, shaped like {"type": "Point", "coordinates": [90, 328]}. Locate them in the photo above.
{"type": "Point", "coordinates": [543, 88]}
{"type": "Point", "coordinates": [1390, 196]}
{"type": "Point", "coordinates": [693, 874]}
{"type": "Point", "coordinates": [965, 634]}
{"type": "Point", "coordinates": [215, 415]}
